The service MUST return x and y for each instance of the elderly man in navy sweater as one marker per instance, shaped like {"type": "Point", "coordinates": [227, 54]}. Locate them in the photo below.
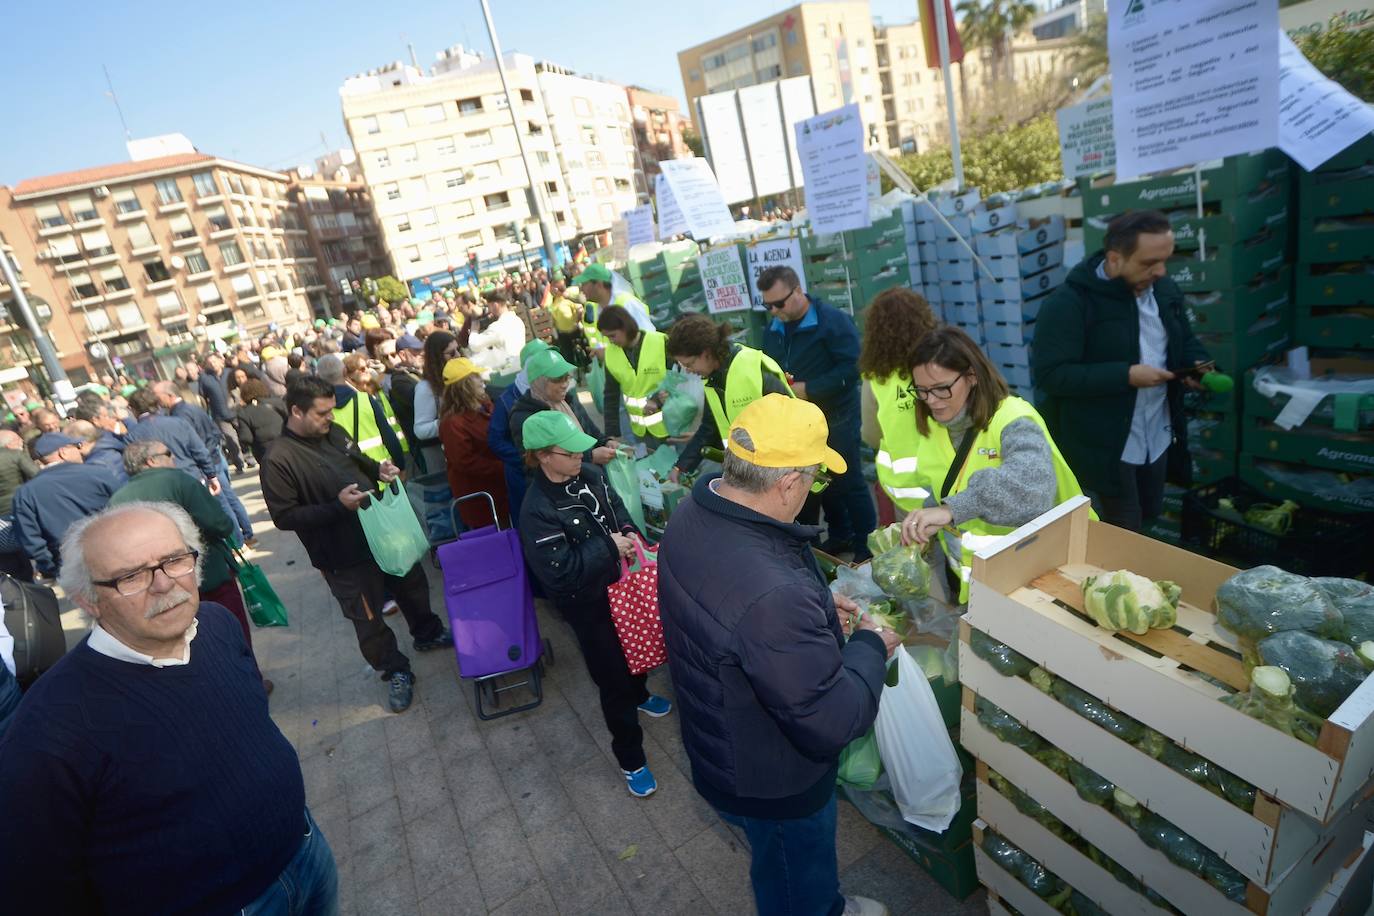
{"type": "Point", "coordinates": [143, 773]}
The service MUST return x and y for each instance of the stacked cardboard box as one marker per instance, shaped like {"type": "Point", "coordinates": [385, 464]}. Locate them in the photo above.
{"type": "Point", "coordinates": [668, 282]}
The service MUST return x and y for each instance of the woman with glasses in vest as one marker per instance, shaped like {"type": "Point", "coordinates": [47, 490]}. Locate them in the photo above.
{"type": "Point", "coordinates": [734, 377]}
{"type": "Point", "coordinates": [636, 364]}
{"type": "Point", "coordinates": [989, 459]}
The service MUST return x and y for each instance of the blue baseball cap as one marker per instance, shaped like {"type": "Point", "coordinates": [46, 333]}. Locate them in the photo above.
{"type": "Point", "coordinates": [409, 342]}
{"type": "Point", "coordinates": [48, 443]}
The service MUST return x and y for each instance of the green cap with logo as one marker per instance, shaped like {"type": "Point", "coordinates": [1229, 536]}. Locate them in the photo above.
{"type": "Point", "coordinates": [548, 364]}
{"type": "Point", "coordinates": [597, 273]}
{"type": "Point", "coordinates": [550, 428]}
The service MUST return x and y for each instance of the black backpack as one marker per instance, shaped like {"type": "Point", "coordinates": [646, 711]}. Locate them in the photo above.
{"type": "Point", "coordinates": [32, 618]}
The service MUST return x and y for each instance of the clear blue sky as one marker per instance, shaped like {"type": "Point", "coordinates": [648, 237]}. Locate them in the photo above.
{"type": "Point", "coordinates": [258, 81]}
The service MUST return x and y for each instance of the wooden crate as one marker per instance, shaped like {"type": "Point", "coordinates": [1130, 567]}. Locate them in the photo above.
{"type": "Point", "coordinates": [1260, 845]}
{"type": "Point", "coordinates": [1023, 593]}
{"type": "Point", "coordinates": [1289, 893]}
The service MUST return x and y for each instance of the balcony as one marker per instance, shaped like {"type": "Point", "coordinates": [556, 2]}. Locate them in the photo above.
{"type": "Point", "coordinates": [209, 199]}
{"type": "Point", "coordinates": [189, 241]}
{"type": "Point", "coordinates": [197, 277]}
{"type": "Point", "coordinates": [157, 286]}
{"type": "Point", "coordinates": [179, 206]}
{"type": "Point", "coordinates": [236, 268]}
{"type": "Point", "coordinates": [89, 220]}
{"type": "Point", "coordinates": [105, 256]}
{"type": "Point", "coordinates": [111, 333]}
{"type": "Point", "coordinates": [49, 228]}
{"type": "Point", "coordinates": [86, 296]}
{"type": "Point", "coordinates": [77, 263]}
{"type": "Point", "coordinates": [225, 233]}
{"type": "Point", "coordinates": [117, 295]}
{"type": "Point", "coordinates": [146, 250]}
{"type": "Point", "coordinates": [255, 296]}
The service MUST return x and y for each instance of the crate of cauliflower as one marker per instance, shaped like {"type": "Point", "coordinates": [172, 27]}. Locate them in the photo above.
{"type": "Point", "coordinates": [1261, 672]}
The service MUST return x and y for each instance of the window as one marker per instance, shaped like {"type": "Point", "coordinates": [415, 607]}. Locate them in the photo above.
{"type": "Point", "coordinates": [381, 159]}
{"type": "Point", "coordinates": [469, 106]}
{"type": "Point", "coordinates": [588, 134]}
{"type": "Point", "coordinates": [230, 252]}
{"type": "Point", "coordinates": [243, 286]}
{"type": "Point", "coordinates": [454, 179]}
{"type": "Point", "coordinates": [822, 30]}
{"type": "Point", "coordinates": [324, 222]}
{"type": "Point", "coordinates": [551, 187]}
{"type": "Point", "coordinates": [622, 184]}
{"type": "Point", "coordinates": [219, 220]}
{"type": "Point", "coordinates": [407, 153]}
{"type": "Point", "coordinates": [413, 253]}
{"type": "Point", "coordinates": [113, 279]}
{"type": "Point", "coordinates": [425, 217]}
{"type": "Point", "coordinates": [181, 227]}
{"type": "Point", "coordinates": [432, 114]}
{"type": "Point", "coordinates": [768, 41]}
{"type": "Point", "coordinates": [208, 294]}
{"type": "Point", "coordinates": [97, 321]}
{"type": "Point", "coordinates": [694, 75]}
{"type": "Point", "coordinates": [236, 184]}
{"type": "Point", "coordinates": [140, 236]}
{"type": "Point", "coordinates": [601, 186]}
{"type": "Point", "coordinates": [82, 208]}
{"type": "Point", "coordinates": [195, 262]}
{"type": "Point", "coordinates": [83, 287]}
{"type": "Point", "coordinates": [791, 36]}
{"type": "Point", "coordinates": [369, 125]}
{"type": "Point", "coordinates": [542, 156]}
{"type": "Point", "coordinates": [394, 120]}
{"type": "Point", "coordinates": [496, 201]}
{"type": "Point", "coordinates": [49, 216]}
{"type": "Point", "coordinates": [595, 160]}
{"type": "Point", "coordinates": [403, 224]}
{"type": "Point", "coordinates": [167, 191]}
{"type": "Point", "coordinates": [455, 211]}
{"type": "Point", "coordinates": [169, 304]}
{"type": "Point", "coordinates": [126, 201]}
{"type": "Point", "coordinates": [581, 107]}
{"type": "Point", "coordinates": [478, 138]}
{"type": "Point", "coordinates": [156, 271]}
{"type": "Point", "coordinates": [97, 244]}
{"type": "Point", "coordinates": [445, 146]}
{"type": "Point", "coordinates": [205, 184]}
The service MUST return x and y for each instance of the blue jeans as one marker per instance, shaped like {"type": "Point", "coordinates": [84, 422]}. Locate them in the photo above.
{"type": "Point", "coordinates": [231, 502]}
{"type": "Point", "coordinates": [793, 868]}
{"type": "Point", "coordinates": [308, 886]}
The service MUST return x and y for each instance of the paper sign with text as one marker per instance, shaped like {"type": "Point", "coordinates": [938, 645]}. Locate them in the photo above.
{"type": "Point", "coordinates": [834, 170]}
{"type": "Point", "coordinates": [759, 256]}
{"type": "Point", "coordinates": [1085, 138]}
{"type": "Point", "coordinates": [697, 194]}
{"type": "Point", "coordinates": [722, 276]}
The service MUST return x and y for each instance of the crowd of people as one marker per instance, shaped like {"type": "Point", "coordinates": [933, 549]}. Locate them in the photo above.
{"type": "Point", "coordinates": [129, 502]}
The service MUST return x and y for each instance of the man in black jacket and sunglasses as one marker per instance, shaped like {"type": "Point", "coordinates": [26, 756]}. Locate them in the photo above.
{"type": "Point", "coordinates": [314, 481]}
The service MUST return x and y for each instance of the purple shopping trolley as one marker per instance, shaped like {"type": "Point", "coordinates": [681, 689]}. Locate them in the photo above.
{"type": "Point", "coordinates": [491, 611]}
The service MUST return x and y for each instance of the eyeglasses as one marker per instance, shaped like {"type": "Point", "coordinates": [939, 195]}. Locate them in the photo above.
{"type": "Point", "coordinates": [140, 580]}
{"type": "Point", "coordinates": [563, 454]}
{"type": "Point", "coordinates": [820, 480]}
{"type": "Point", "coordinates": [938, 392]}
{"type": "Point", "coordinates": [779, 303]}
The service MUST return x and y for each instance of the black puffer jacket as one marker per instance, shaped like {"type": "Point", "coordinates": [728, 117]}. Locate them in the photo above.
{"type": "Point", "coordinates": [768, 690]}
{"type": "Point", "coordinates": [527, 405]}
{"type": "Point", "coordinates": [565, 530]}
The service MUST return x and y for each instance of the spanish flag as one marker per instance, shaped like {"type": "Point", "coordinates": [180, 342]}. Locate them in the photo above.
{"type": "Point", "coordinates": [932, 38]}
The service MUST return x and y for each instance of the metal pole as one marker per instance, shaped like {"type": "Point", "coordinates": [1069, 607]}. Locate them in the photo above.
{"type": "Point", "coordinates": [62, 386]}
{"type": "Point", "coordinates": [520, 141]}
{"type": "Point", "coordinates": [941, 8]}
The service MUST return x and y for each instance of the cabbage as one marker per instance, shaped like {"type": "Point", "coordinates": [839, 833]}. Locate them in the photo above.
{"type": "Point", "coordinates": [1123, 600]}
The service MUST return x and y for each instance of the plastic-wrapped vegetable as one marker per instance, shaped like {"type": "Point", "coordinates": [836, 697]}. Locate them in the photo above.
{"type": "Point", "coordinates": [1152, 742]}
{"type": "Point", "coordinates": [1006, 727]}
{"type": "Point", "coordinates": [1127, 808]}
{"type": "Point", "coordinates": [1027, 805]}
{"type": "Point", "coordinates": [1042, 679]}
{"type": "Point", "coordinates": [1324, 672]}
{"type": "Point", "coordinates": [1028, 871]}
{"type": "Point", "coordinates": [1355, 601]}
{"type": "Point", "coordinates": [1082, 906]}
{"type": "Point", "coordinates": [1179, 848]}
{"type": "Point", "coordinates": [1234, 789]}
{"type": "Point", "coordinates": [1224, 878]}
{"type": "Point", "coordinates": [1258, 602]}
{"type": "Point", "coordinates": [1055, 759]}
{"type": "Point", "coordinates": [1190, 765]}
{"type": "Point", "coordinates": [931, 660]}
{"type": "Point", "coordinates": [1003, 853]}
{"type": "Point", "coordinates": [890, 615]}
{"type": "Point", "coordinates": [1003, 658]}
{"type": "Point", "coordinates": [902, 572]}
{"type": "Point", "coordinates": [1091, 786]}
{"type": "Point", "coordinates": [1270, 699]}
{"type": "Point", "coordinates": [1123, 600]}
{"type": "Point", "coordinates": [1094, 710]}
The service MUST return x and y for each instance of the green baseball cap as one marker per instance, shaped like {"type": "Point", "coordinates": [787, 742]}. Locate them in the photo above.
{"type": "Point", "coordinates": [531, 348]}
{"type": "Point", "coordinates": [553, 427]}
{"type": "Point", "coordinates": [594, 272]}
{"type": "Point", "coordinates": [548, 364]}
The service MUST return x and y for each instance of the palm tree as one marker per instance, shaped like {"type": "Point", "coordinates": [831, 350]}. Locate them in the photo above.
{"type": "Point", "coordinates": [991, 24]}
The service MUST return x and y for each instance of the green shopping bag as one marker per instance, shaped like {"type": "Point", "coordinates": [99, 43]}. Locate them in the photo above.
{"type": "Point", "coordinates": [596, 383]}
{"type": "Point", "coordinates": [265, 609]}
{"type": "Point", "coordinates": [860, 764]}
{"type": "Point", "coordinates": [623, 477]}
{"type": "Point", "coordinates": [661, 461]}
{"type": "Point", "coordinates": [681, 402]}
{"type": "Point", "coordinates": [393, 532]}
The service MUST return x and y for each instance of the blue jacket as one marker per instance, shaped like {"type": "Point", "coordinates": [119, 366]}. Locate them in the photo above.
{"type": "Point", "coordinates": [181, 439]}
{"type": "Point", "coordinates": [768, 690]}
{"type": "Point", "coordinates": [108, 453]}
{"type": "Point", "coordinates": [822, 352]}
{"type": "Point", "coordinates": [501, 443]}
{"type": "Point", "coordinates": [202, 422]}
{"type": "Point", "coordinates": [216, 395]}
{"type": "Point", "coordinates": [45, 507]}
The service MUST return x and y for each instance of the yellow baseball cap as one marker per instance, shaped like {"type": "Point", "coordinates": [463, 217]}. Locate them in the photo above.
{"type": "Point", "coordinates": [370, 321]}
{"type": "Point", "coordinates": [459, 368]}
{"type": "Point", "coordinates": [787, 433]}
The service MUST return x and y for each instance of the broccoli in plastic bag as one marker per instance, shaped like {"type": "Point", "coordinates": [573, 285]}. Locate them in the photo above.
{"type": "Point", "coordinates": [1179, 848]}
{"type": "Point", "coordinates": [1323, 672]}
{"type": "Point", "coordinates": [1270, 699]}
{"type": "Point", "coordinates": [1355, 601]}
{"type": "Point", "coordinates": [900, 571]}
{"type": "Point", "coordinates": [1190, 765]}
{"type": "Point", "coordinates": [1152, 742]}
{"type": "Point", "coordinates": [1234, 789]}
{"type": "Point", "coordinates": [1080, 905]}
{"type": "Point", "coordinates": [1006, 727]}
{"type": "Point", "coordinates": [1054, 759]}
{"type": "Point", "coordinates": [1094, 710]}
{"type": "Point", "coordinates": [1091, 786]}
{"type": "Point", "coordinates": [1003, 658]}
{"type": "Point", "coordinates": [1042, 679]}
{"type": "Point", "coordinates": [1224, 878]}
{"type": "Point", "coordinates": [1258, 602]}
{"type": "Point", "coordinates": [1026, 870]}
{"type": "Point", "coordinates": [1028, 806]}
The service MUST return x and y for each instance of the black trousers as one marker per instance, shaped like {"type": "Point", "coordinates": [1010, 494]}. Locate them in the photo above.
{"type": "Point", "coordinates": [230, 443]}
{"type": "Point", "coordinates": [621, 691]}
{"type": "Point", "coordinates": [1142, 494]}
{"type": "Point", "coordinates": [361, 592]}
{"type": "Point", "coordinates": [850, 514]}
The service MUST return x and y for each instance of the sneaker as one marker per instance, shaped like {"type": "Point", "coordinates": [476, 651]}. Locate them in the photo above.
{"type": "Point", "coordinates": [251, 543]}
{"type": "Point", "coordinates": [656, 706]}
{"type": "Point", "coordinates": [641, 782]}
{"type": "Point", "coordinates": [390, 607]}
{"type": "Point", "coordinates": [443, 641]}
{"type": "Point", "coordinates": [250, 465]}
{"type": "Point", "coordinates": [863, 906]}
{"type": "Point", "coordinates": [402, 691]}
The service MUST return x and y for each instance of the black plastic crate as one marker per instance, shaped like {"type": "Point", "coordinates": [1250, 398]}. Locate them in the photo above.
{"type": "Point", "coordinates": [1317, 543]}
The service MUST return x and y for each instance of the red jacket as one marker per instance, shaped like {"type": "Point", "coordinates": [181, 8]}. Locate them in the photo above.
{"type": "Point", "coordinates": [473, 466]}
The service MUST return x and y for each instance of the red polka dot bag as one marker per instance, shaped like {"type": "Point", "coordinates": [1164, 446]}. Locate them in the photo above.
{"type": "Point", "coordinates": [634, 611]}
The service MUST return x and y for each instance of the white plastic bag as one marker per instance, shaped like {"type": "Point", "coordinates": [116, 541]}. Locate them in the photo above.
{"type": "Point", "coordinates": [917, 754]}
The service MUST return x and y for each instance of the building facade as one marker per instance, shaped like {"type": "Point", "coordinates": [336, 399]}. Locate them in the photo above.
{"type": "Point", "coordinates": [658, 127]}
{"type": "Point", "coordinates": [344, 238]}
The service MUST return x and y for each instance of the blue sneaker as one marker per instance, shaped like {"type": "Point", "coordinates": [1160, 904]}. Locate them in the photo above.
{"type": "Point", "coordinates": [641, 782]}
{"type": "Point", "coordinates": [656, 706]}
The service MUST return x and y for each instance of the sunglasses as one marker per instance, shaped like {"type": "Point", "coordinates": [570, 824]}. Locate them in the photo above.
{"type": "Point", "coordinates": [779, 303]}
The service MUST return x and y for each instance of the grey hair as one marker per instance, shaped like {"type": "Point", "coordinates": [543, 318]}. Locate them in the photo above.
{"type": "Point", "coordinates": [75, 575]}
{"type": "Point", "coordinates": [753, 478]}
{"type": "Point", "coordinates": [136, 455]}
{"type": "Point", "coordinates": [330, 368]}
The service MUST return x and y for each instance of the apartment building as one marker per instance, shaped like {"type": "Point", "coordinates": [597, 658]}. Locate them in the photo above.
{"type": "Point", "coordinates": [344, 237]}
{"type": "Point", "coordinates": [157, 257]}
{"type": "Point", "coordinates": [658, 126]}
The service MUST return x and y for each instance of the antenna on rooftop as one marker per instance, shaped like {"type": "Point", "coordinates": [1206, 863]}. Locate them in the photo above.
{"type": "Point", "coordinates": [114, 98]}
{"type": "Point", "coordinates": [410, 46]}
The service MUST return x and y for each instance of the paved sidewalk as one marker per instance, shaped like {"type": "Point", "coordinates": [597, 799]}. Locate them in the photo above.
{"type": "Point", "coordinates": [436, 812]}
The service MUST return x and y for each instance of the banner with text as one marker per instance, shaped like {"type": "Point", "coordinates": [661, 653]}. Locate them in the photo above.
{"type": "Point", "coordinates": [1085, 138]}
{"type": "Point", "coordinates": [1318, 117]}
{"type": "Point", "coordinates": [835, 169]}
{"type": "Point", "coordinates": [640, 223]}
{"type": "Point", "coordinates": [694, 188]}
{"type": "Point", "coordinates": [722, 277]}
{"type": "Point", "coordinates": [773, 253]}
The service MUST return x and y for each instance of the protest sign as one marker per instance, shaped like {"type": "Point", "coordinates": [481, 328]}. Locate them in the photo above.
{"type": "Point", "coordinates": [835, 170]}
{"type": "Point", "coordinates": [1085, 138]}
{"type": "Point", "coordinates": [670, 221]}
{"type": "Point", "coordinates": [1318, 117]}
{"type": "Point", "coordinates": [760, 256]}
{"type": "Point", "coordinates": [640, 224]}
{"type": "Point", "coordinates": [694, 188]}
{"type": "Point", "coordinates": [722, 277]}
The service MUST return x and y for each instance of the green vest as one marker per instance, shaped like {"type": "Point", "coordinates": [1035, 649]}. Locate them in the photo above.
{"type": "Point", "coordinates": [935, 451]}
{"type": "Point", "coordinates": [358, 420]}
{"type": "Point", "coordinates": [639, 384]}
{"type": "Point", "coordinates": [908, 479]}
{"type": "Point", "coordinates": [743, 386]}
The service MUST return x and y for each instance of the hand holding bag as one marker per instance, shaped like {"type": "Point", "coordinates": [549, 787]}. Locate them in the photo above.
{"type": "Point", "coordinates": [916, 751]}
{"type": "Point", "coordinates": [265, 609]}
{"type": "Point", "coordinates": [634, 611]}
{"type": "Point", "coordinates": [393, 532]}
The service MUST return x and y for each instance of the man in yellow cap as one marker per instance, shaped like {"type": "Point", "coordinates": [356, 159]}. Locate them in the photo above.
{"type": "Point", "coordinates": [769, 689]}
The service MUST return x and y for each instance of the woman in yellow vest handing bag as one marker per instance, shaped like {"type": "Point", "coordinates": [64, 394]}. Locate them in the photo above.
{"type": "Point", "coordinates": [987, 453]}
{"type": "Point", "coordinates": [734, 377]}
{"type": "Point", "coordinates": [636, 363]}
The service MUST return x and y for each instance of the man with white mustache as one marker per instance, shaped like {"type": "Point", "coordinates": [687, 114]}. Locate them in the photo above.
{"type": "Point", "coordinates": [144, 766]}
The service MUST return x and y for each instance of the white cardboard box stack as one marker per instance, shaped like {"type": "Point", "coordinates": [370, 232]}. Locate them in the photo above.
{"type": "Point", "coordinates": [946, 265]}
{"type": "Point", "coordinates": [1027, 260]}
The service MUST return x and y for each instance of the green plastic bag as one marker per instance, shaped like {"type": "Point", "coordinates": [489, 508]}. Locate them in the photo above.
{"type": "Point", "coordinates": [860, 763]}
{"type": "Point", "coordinates": [661, 461]}
{"type": "Point", "coordinates": [393, 532]}
{"type": "Point", "coordinates": [596, 382]}
{"type": "Point", "coordinates": [623, 477]}
{"type": "Point", "coordinates": [265, 609]}
{"type": "Point", "coordinates": [680, 405]}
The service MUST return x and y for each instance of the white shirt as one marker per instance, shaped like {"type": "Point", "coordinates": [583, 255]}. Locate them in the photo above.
{"type": "Point", "coordinates": [1151, 430]}
{"type": "Point", "coordinates": [498, 347]}
{"type": "Point", "coordinates": [103, 642]}
{"type": "Point", "coordinates": [6, 642]}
